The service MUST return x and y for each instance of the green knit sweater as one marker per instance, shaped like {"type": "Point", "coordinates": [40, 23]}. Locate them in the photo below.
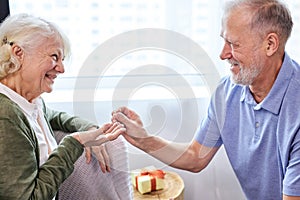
{"type": "Point", "coordinates": [20, 174]}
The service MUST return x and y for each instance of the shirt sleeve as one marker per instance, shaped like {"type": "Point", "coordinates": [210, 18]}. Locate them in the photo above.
{"type": "Point", "coordinates": [208, 134]}
{"type": "Point", "coordinates": [291, 181]}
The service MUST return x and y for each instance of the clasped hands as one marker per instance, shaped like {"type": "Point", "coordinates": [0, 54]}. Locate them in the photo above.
{"type": "Point", "coordinates": [124, 122]}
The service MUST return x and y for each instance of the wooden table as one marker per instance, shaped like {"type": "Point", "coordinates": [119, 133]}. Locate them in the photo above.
{"type": "Point", "coordinates": [174, 189]}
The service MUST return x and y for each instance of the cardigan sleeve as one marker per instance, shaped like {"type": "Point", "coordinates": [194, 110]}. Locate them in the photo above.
{"type": "Point", "coordinates": [20, 174]}
{"type": "Point", "coordinates": [65, 122]}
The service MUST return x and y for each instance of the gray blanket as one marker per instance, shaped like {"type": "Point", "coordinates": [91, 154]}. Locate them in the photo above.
{"type": "Point", "coordinates": [88, 182]}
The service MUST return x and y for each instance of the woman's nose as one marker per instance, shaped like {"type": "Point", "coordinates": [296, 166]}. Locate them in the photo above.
{"type": "Point", "coordinates": [60, 67]}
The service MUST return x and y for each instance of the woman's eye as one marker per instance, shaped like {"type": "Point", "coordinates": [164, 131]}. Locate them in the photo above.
{"type": "Point", "coordinates": [54, 57]}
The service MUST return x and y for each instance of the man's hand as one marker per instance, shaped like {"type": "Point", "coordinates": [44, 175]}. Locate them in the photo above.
{"type": "Point", "coordinates": [133, 124]}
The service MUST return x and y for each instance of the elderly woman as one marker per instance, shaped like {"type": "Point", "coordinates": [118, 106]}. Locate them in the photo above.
{"type": "Point", "coordinates": [32, 165]}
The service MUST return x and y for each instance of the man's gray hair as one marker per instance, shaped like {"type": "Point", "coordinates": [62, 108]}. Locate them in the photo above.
{"type": "Point", "coordinates": [267, 16]}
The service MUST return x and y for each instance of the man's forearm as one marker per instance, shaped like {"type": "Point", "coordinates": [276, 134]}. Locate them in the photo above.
{"type": "Point", "coordinates": [177, 155]}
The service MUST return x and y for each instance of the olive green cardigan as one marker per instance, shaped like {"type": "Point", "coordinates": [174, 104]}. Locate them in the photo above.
{"type": "Point", "coordinates": [20, 174]}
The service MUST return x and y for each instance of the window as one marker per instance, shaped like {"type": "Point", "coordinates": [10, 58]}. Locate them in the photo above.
{"type": "Point", "coordinates": [89, 24]}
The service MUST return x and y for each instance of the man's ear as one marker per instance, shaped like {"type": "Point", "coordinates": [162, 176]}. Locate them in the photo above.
{"type": "Point", "coordinates": [18, 52]}
{"type": "Point", "coordinates": [272, 44]}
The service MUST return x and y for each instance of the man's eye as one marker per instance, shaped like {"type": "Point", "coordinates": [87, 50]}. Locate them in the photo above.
{"type": "Point", "coordinates": [229, 43]}
{"type": "Point", "coordinates": [233, 45]}
{"type": "Point", "coordinates": [54, 57]}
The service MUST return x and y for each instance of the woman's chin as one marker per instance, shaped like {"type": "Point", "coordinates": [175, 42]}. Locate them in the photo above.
{"type": "Point", "coordinates": [48, 89]}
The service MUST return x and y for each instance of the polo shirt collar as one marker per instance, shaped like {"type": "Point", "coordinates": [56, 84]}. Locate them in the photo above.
{"type": "Point", "coordinates": [274, 99]}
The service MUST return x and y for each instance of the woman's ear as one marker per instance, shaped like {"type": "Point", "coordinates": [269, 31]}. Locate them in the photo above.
{"type": "Point", "coordinates": [272, 44]}
{"type": "Point", "coordinates": [18, 52]}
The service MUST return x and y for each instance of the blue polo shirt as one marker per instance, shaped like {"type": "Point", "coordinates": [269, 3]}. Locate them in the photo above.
{"type": "Point", "coordinates": [262, 140]}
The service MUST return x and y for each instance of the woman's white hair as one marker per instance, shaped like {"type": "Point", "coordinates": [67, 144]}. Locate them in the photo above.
{"type": "Point", "coordinates": [27, 32]}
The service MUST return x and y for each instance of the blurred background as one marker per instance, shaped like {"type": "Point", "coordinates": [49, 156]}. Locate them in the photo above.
{"type": "Point", "coordinates": [90, 23]}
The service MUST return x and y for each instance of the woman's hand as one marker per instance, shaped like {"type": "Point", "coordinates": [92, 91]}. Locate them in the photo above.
{"type": "Point", "coordinates": [96, 137]}
{"type": "Point", "coordinates": [100, 154]}
{"type": "Point", "coordinates": [94, 140]}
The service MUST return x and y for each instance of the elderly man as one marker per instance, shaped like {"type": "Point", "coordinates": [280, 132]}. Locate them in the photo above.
{"type": "Point", "coordinates": [253, 113]}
